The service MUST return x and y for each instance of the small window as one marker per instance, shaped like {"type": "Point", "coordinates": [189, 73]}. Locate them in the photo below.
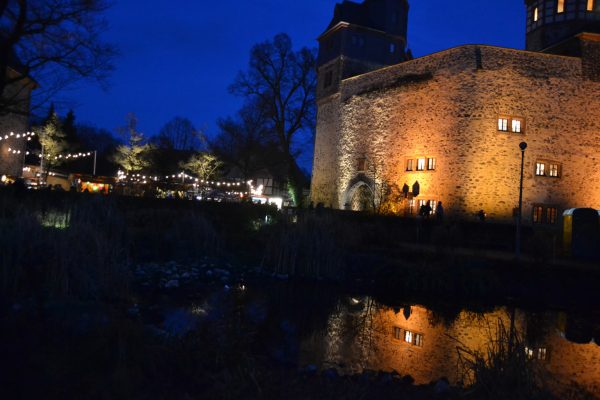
{"type": "Point", "coordinates": [536, 14]}
{"type": "Point", "coordinates": [421, 164]}
{"type": "Point", "coordinates": [503, 124]}
{"type": "Point", "coordinates": [361, 164]}
{"type": "Point", "coordinates": [554, 170]}
{"type": "Point", "coordinates": [328, 79]}
{"type": "Point", "coordinates": [397, 333]}
{"type": "Point", "coordinates": [418, 340]}
{"type": "Point", "coordinates": [408, 337]}
{"type": "Point", "coordinates": [392, 48]}
{"type": "Point", "coordinates": [431, 164]}
{"type": "Point", "coordinates": [409, 165]}
{"type": "Point", "coordinates": [540, 169]}
{"type": "Point", "coordinates": [538, 214]}
{"type": "Point", "coordinates": [551, 215]}
{"type": "Point", "coordinates": [433, 205]}
{"type": "Point", "coordinates": [517, 125]}
{"type": "Point", "coordinates": [590, 5]}
{"type": "Point", "coordinates": [560, 8]}
{"type": "Point", "coordinates": [540, 353]}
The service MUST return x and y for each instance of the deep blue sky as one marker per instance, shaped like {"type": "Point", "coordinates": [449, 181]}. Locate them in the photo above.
{"type": "Point", "coordinates": [177, 57]}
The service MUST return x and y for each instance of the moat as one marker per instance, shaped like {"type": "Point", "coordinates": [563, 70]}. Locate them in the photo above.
{"type": "Point", "coordinates": [312, 326]}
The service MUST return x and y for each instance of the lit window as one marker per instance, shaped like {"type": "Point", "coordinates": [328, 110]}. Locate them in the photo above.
{"type": "Point", "coordinates": [517, 125]}
{"type": "Point", "coordinates": [421, 164]}
{"type": "Point", "coordinates": [418, 340]}
{"type": "Point", "coordinates": [590, 5]}
{"type": "Point", "coordinates": [397, 333]}
{"type": "Point", "coordinates": [551, 215]}
{"type": "Point", "coordinates": [433, 205]}
{"type": "Point", "coordinates": [538, 214]}
{"type": "Point", "coordinates": [561, 6]}
{"type": "Point", "coordinates": [431, 164]}
{"type": "Point", "coordinates": [392, 48]}
{"type": "Point", "coordinates": [536, 14]}
{"type": "Point", "coordinates": [503, 124]}
{"type": "Point", "coordinates": [554, 170]}
{"type": "Point", "coordinates": [409, 165]}
{"type": "Point", "coordinates": [408, 336]}
{"type": "Point", "coordinates": [529, 352]}
{"type": "Point", "coordinates": [411, 206]}
{"type": "Point", "coordinates": [540, 169]}
{"type": "Point", "coordinates": [542, 353]}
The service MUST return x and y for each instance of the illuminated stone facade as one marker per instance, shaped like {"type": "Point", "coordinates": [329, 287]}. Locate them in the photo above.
{"type": "Point", "coordinates": [416, 341]}
{"type": "Point", "coordinates": [447, 107]}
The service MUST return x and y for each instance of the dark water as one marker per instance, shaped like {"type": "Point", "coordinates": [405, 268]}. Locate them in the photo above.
{"type": "Point", "coordinates": [310, 324]}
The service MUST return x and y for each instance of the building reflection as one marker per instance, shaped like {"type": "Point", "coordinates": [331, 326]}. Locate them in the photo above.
{"type": "Point", "coordinates": [416, 341]}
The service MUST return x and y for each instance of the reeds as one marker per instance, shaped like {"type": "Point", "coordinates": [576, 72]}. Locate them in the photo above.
{"type": "Point", "coordinates": [503, 370]}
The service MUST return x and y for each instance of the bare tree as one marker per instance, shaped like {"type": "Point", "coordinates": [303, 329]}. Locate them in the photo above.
{"type": "Point", "coordinates": [241, 141]}
{"type": "Point", "coordinates": [281, 82]}
{"type": "Point", "coordinates": [53, 42]}
{"type": "Point", "coordinates": [385, 197]}
{"type": "Point", "coordinates": [180, 134]}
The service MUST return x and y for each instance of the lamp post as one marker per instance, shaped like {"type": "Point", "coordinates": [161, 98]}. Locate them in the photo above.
{"type": "Point", "coordinates": [522, 146]}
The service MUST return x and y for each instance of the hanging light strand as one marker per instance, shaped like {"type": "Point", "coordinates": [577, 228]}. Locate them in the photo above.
{"type": "Point", "coordinates": [27, 136]}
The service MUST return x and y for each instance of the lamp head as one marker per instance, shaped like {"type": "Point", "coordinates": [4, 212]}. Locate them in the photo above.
{"type": "Point", "coordinates": [523, 146]}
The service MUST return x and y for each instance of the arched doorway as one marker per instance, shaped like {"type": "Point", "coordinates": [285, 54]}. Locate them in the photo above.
{"type": "Point", "coordinates": [359, 196]}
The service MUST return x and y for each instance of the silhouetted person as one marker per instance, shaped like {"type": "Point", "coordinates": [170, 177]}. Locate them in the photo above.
{"type": "Point", "coordinates": [425, 210]}
{"type": "Point", "coordinates": [439, 212]}
{"type": "Point", "coordinates": [481, 215]}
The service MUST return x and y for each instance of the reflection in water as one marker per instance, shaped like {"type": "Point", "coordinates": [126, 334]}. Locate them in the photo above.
{"type": "Point", "coordinates": [301, 325]}
{"type": "Point", "coordinates": [415, 341]}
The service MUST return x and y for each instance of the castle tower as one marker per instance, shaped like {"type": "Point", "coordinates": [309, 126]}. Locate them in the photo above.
{"type": "Point", "coordinates": [561, 26]}
{"type": "Point", "coordinates": [361, 38]}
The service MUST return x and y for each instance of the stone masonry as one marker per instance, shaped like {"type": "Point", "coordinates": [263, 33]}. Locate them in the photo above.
{"type": "Point", "coordinates": [446, 106]}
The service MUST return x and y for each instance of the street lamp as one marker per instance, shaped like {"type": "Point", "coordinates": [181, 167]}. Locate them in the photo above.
{"type": "Point", "coordinates": [522, 146]}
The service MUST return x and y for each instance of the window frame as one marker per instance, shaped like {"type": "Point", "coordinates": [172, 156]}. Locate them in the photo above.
{"type": "Point", "coordinates": [431, 164]}
{"type": "Point", "coordinates": [421, 163]}
{"type": "Point", "coordinates": [545, 214]}
{"type": "Point", "coordinates": [506, 123]}
{"type": "Point", "coordinates": [560, 6]}
{"type": "Point", "coordinates": [361, 162]}
{"type": "Point", "coordinates": [550, 169]}
{"type": "Point", "coordinates": [410, 163]}
{"type": "Point", "coordinates": [540, 168]}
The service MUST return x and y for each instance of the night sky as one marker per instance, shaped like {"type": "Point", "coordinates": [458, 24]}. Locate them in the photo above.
{"type": "Point", "coordinates": [178, 57]}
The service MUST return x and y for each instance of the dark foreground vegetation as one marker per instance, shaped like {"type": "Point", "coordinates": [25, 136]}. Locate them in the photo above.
{"type": "Point", "coordinates": [69, 293]}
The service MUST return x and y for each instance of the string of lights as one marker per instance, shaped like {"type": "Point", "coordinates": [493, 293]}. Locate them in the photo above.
{"type": "Point", "coordinates": [12, 135]}
{"type": "Point", "coordinates": [69, 156]}
{"type": "Point", "coordinates": [121, 176]}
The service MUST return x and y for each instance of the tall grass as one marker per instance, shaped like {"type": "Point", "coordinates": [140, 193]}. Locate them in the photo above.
{"type": "Point", "coordinates": [314, 246]}
{"type": "Point", "coordinates": [503, 370]}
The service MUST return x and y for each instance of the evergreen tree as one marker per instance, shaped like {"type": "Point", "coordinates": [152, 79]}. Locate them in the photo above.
{"type": "Point", "coordinates": [70, 129]}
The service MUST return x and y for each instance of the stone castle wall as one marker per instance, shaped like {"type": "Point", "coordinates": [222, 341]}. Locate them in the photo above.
{"type": "Point", "coordinates": [446, 106]}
